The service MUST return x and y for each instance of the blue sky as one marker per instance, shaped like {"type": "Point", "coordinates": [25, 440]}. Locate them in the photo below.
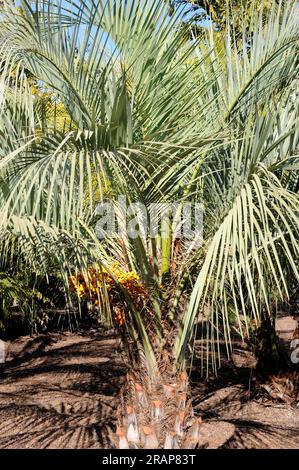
{"type": "Point", "coordinates": [110, 44]}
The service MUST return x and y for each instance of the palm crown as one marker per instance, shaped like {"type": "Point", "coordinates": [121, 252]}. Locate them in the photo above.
{"type": "Point", "coordinates": [102, 99]}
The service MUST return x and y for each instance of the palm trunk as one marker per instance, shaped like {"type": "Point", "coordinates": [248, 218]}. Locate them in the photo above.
{"type": "Point", "coordinates": [156, 412]}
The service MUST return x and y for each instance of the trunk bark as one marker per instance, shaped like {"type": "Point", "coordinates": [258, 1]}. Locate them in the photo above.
{"type": "Point", "coordinates": [156, 412]}
{"type": "Point", "coordinates": [271, 357]}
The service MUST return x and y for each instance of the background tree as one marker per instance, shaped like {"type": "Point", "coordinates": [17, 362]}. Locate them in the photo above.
{"type": "Point", "coordinates": [239, 13]}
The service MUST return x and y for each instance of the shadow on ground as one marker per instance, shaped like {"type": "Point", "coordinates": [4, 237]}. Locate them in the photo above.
{"type": "Point", "coordinates": [60, 391]}
{"type": "Point", "coordinates": [231, 397]}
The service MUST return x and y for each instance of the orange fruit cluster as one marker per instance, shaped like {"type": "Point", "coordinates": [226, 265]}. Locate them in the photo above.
{"type": "Point", "coordinates": [92, 284]}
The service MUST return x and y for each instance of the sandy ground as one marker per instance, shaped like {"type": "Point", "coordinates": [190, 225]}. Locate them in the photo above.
{"type": "Point", "coordinates": [60, 391]}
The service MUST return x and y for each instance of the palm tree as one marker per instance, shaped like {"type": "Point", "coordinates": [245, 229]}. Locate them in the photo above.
{"type": "Point", "coordinates": [147, 114]}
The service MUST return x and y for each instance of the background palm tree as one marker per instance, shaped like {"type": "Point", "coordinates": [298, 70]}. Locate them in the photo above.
{"type": "Point", "coordinates": [135, 108]}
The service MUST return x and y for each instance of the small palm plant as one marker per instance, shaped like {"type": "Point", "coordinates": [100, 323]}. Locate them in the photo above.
{"type": "Point", "coordinates": [138, 110]}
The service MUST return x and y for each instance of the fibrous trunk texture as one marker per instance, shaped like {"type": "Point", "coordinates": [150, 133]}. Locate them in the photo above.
{"type": "Point", "coordinates": [155, 412]}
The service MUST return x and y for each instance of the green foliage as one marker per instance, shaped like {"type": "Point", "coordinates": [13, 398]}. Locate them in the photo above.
{"type": "Point", "coordinates": [10, 292]}
{"type": "Point", "coordinates": [157, 118]}
{"type": "Point", "coordinates": [25, 293]}
{"type": "Point", "coordinates": [241, 14]}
